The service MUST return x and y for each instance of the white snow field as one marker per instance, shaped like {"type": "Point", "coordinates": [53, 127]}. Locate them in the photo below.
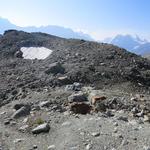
{"type": "Point", "coordinates": [35, 52]}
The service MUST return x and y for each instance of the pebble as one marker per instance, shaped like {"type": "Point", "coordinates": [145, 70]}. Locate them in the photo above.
{"type": "Point", "coordinates": [2, 113]}
{"type": "Point", "coordinates": [123, 118]}
{"type": "Point", "coordinates": [44, 104]}
{"type": "Point", "coordinates": [115, 130]}
{"type": "Point", "coordinates": [67, 123]}
{"type": "Point", "coordinates": [35, 146]}
{"type": "Point", "coordinates": [88, 147]}
{"type": "Point", "coordinates": [146, 148]}
{"type": "Point", "coordinates": [146, 118]}
{"type": "Point", "coordinates": [23, 128]}
{"type": "Point", "coordinates": [18, 140]}
{"type": "Point", "coordinates": [6, 122]}
{"type": "Point", "coordinates": [95, 134]}
{"type": "Point", "coordinates": [115, 124]}
{"type": "Point", "coordinates": [51, 147]}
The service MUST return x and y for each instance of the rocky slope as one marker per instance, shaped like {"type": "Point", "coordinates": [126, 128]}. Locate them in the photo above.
{"type": "Point", "coordinates": [85, 95]}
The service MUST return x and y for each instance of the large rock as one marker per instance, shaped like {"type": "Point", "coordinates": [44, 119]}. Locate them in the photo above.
{"type": "Point", "coordinates": [73, 87]}
{"type": "Point", "coordinates": [77, 97]}
{"type": "Point", "coordinates": [41, 128]}
{"type": "Point", "coordinates": [55, 68]}
{"type": "Point", "coordinates": [19, 105]}
{"type": "Point", "coordinates": [23, 111]}
{"type": "Point", "coordinates": [80, 108]}
{"type": "Point", "coordinates": [19, 54]}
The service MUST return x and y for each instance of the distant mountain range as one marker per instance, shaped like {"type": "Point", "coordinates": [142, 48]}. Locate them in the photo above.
{"type": "Point", "coordinates": [50, 29]}
{"type": "Point", "coordinates": [132, 43]}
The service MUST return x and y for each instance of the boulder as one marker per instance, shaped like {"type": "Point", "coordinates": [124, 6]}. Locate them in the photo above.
{"type": "Point", "coordinates": [23, 111]}
{"type": "Point", "coordinates": [73, 87]}
{"type": "Point", "coordinates": [80, 108]}
{"type": "Point", "coordinates": [19, 54]}
{"type": "Point", "coordinates": [77, 97]}
{"type": "Point", "coordinates": [18, 106]}
{"type": "Point", "coordinates": [55, 68]}
{"type": "Point", "coordinates": [41, 128]}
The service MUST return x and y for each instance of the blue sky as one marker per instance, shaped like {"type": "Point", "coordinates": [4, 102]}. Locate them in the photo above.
{"type": "Point", "coordinates": [100, 18]}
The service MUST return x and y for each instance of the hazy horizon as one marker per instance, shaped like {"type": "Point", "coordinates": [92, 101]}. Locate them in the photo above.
{"type": "Point", "coordinates": [98, 18]}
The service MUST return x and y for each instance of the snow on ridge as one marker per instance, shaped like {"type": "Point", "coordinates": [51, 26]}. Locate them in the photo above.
{"type": "Point", "coordinates": [35, 52]}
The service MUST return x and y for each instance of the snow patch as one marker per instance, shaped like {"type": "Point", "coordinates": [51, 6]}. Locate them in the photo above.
{"type": "Point", "coordinates": [35, 52]}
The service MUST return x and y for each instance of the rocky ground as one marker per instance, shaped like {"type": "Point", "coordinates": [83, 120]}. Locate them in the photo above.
{"type": "Point", "coordinates": [85, 95]}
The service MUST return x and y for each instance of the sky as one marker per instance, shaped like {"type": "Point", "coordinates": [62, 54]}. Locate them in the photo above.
{"type": "Point", "coordinates": [99, 18]}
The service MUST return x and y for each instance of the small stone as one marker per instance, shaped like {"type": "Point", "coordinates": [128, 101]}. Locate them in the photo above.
{"type": "Point", "coordinates": [134, 99]}
{"type": "Point", "coordinates": [2, 113]}
{"type": "Point", "coordinates": [67, 123]}
{"type": "Point", "coordinates": [88, 147]}
{"type": "Point", "coordinates": [115, 124]}
{"type": "Point", "coordinates": [123, 118]}
{"type": "Point", "coordinates": [64, 80]}
{"type": "Point", "coordinates": [13, 123]}
{"type": "Point", "coordinates": [55, 68]}
{"type": "Point", "coordinates": [36, 108]}
{"type": "Point", "coordinates": [109, 113]}
{"type": "Point", "coordinates": [66, 113]}
{"type": "Point", "coordinates": [146, 118]}
{"type": "Point", "coordinates": [115, 130]}
{"type": "Point", "coordinates": [6, 122]}
{"type": "Point", "coordinates": [95, 134]}
{"type": "Point", "coordinates": [146, 148]}
{"type": "Point", "coordinates": [140, 114]}
{"type": "Point", "coordinates": [23, 128]}
{"type": "Point", "coordinates": [35, 146]}
{"type": "Point", "coordinates": [18, 140]}
{"type": "Point", "coordinates": [44, 104]}
{"type": "Point", "coordinates": [51, 147]}
{"type": "Point", "coordinates": [18, 54]}
{"type": "Point", "coordinates": [41, 128]}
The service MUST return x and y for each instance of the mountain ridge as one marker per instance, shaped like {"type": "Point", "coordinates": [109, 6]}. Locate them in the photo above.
{"type": "Point", "coordinates": [131, 43]}
{"type": "Point", "coordinates": [5, 24]}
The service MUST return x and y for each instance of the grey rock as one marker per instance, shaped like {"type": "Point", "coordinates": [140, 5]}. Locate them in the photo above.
{"type": "Point", "coordinates": [123, 118]}
{"type": "Point", "coordinates": [18, 140]}
{"type": "Point", "coordinates": [55, 68]}
{"type": "Point", "coordinates": [6, 122]}
{"type": "Point", "coordinates": [95, 134]}
{"type": "Point", "coordinates": [64, 80]}
{"type": "Point", "coordinates": [41, 128]}
{"type": "Point", "coordinates": [73, 87]}
{"type": "Point", "coordinates": [35, 146]}
{"type": "Point", "coordinates": [88, 147]}
{"type": "Point", "coordinates": [18, 106]}
{"type": "Point", "coordinates": [77, 97]}
{"type": "Point", "coordinates": [45, 104]}
{"type": "Point", "coordinates": [51, 147]}
{"type": "Point", "coordinates": [23, 111]}
{"type": "Point", "coordinates": [23, 128]}
{"type": "Point", "coordinates": [18, 54]}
